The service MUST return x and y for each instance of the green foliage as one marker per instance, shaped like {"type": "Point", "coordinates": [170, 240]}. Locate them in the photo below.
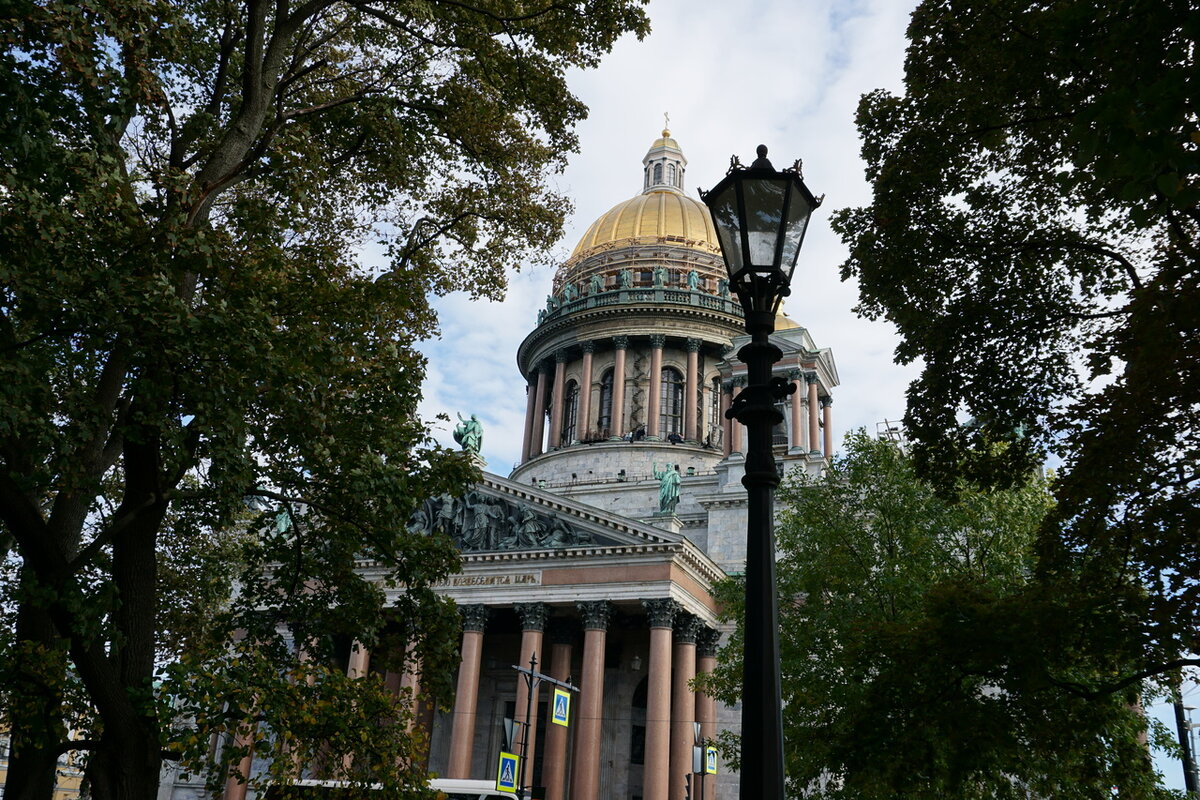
{"type": "Point", "coordinates": [919, 659]}
{"type": "Point", "coordinates": [186, 191]}
{"type": "Point", "coordinates": [1034, 236]}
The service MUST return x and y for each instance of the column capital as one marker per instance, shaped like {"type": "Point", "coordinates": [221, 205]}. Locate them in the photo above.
{"type": "Point", "coordinates": [561, 356]}
{"type": "Point", "coordinates": [661, 612]}
{"type": "Point", "coordinates": [533, 615]}
{"type": "Point", "coordinates": [694, 345]}
{"type": "Point", "coordinates": [795, 375]}
{"type": "Point", "coordinates": [740, 380]}
{"type": "Point", "coordinates": [687, 626]}
{"type": "Point", "coordinates": [475, 617]}
{"type": "Point", "coordinates": [561, 631]}
{"type": "Point", "coordinates": [658, 341]}
{"type": "Point", "coordinates": [826, 401]}
{"type": "Point", "coordinates": [707, 641]}
{"type": "Point", "coordinates": [810, 377]}
{"type": "Point", "coordinates": [727, 386]}
{"type": "Point", "coordinates": [620, 342]}
{"type": "Point", "coordinates": [588, 346]}
{"type": "Point", "coordinates": [596, 614]}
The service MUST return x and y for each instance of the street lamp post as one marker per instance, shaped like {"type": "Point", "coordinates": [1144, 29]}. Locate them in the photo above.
{"type": "Point", "coordinates": [760, 215]}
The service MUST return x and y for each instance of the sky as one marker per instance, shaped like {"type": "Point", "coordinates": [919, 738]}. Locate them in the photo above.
{"type": "Point", "coordinates": [785, 73]}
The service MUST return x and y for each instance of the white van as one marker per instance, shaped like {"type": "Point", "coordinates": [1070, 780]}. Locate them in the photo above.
{"type": "Point", "coordinates": [464, 789]}
{"type": "Point", "coordinates": [448, 788]}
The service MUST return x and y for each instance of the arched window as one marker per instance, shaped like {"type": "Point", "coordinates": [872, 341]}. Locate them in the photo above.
{"type": "Point", "coordinates": [670, 407]}
{"type": "Point", "coordinates": [570, 409]}
{"type": "Point", "coordinates": [671, 174]}
{"type": "Point", "coordinates": [605, 422]}
{"type": "Point", "coordinates": [658, 173]}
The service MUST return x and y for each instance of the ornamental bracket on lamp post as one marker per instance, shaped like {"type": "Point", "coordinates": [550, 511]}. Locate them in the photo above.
{"type": "Point", "coordinates": [760, 215]}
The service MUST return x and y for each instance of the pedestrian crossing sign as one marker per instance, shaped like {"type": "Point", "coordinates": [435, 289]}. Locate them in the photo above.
{"type": "Point", "coordinates": [506, 772]}
{"type": "Point", "coordinates": [562, 707]}
{"type": "Point", "coordinates": [710, 760]}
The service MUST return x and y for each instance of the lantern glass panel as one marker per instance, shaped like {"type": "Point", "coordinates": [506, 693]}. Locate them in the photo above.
{"type": "Point", "coordinates": [797, 222]}
{"type": "Point", "coordinates": [725, 217]}
{"type": "Point", "coordinates": [764, 218]}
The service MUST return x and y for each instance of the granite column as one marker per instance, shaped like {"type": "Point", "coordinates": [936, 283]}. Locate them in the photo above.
{"type": "Point", "coordinates": [656, 779]}
{"type": "Point", "coordinates": [585, 774]}
{"type": "Point", "coordinates": [533, 622]}
{"type": "Point", "coordinates": [466, 696]}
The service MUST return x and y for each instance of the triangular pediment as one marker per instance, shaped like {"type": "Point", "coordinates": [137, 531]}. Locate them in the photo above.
{"type": "Point", "coordinates": [501, 516]}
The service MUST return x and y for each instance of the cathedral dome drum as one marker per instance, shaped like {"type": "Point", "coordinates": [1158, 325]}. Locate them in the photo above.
{"type": "Point", "coordinates": [628, 345]}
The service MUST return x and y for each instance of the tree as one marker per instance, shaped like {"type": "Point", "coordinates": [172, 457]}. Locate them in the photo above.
{"type": "Point", "coordinates": [186, 189]}
{"type": "Point", "coordinates": [1034, 235]}
{"type": "Point", "coordinates": [908, 669]}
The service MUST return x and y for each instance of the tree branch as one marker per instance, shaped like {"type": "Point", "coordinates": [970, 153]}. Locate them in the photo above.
{"type": "Point", "coordinates": [1080, 690]}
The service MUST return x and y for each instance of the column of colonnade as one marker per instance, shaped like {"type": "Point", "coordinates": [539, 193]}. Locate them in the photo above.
{"type": "Point", "coordinates": [585, 771]}
{"type": "Point", "coordinates": [466, 695]}
{"type": "Point", "coordinates": [814, 426]}
{"type": "Point", "coordinates": [533, 623]}
{"type": "Point", "coordinates": [690, 427]}
{"type": "Point", "coordinates": [656, 782]}
{"type": "Point", "coordinates": [539, 414]}
{"type": "Point", "coordinates": [556, 399]}
{"type": "Point", "coordinates": [620, 346]}
{"type": "Point", "coordinates": [706, 705]}
{"type": "Point", "coordinates": [798, 428]}
{"type": "Point", "coordinates": [827, 411]}
{"type": "Point", "coordinates": [653, 402]}
{"type": "Point", "coordinates": [683, 702]}
{"type": "Point", "coordinates": [680, 648]}
{"type": "Point", "coordinates": [583, 425]}
{"type": "Point", "coordinates": [554, 764]}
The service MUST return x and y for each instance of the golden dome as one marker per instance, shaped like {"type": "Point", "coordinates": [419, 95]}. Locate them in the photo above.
{"type": "Point", "coordinates": [650, 217]}
{"type": "Point", "coordinates": [784, 322]}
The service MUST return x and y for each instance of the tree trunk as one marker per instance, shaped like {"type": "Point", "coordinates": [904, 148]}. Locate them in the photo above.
{"type": "Point", "coordinates": [127, 764]}
{"type": "Point", "coordinates": [35, 715]}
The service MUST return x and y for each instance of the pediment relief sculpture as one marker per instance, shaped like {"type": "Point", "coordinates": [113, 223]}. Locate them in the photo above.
{"type": "Point", "coordinates": [479, 522]}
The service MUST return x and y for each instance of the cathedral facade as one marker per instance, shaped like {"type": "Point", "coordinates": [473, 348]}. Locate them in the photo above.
{"type": "Point", "coordinates": [595, 557]}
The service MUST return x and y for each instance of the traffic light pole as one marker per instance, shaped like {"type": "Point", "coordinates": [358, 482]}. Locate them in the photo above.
{"type": "Point", "coordinates": [533, 679]}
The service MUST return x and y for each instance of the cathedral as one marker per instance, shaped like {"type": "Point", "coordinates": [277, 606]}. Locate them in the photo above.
{"type": "Point", "coordinates": [592, 563]}
{"type": "Point", "coordinates": [596, 555]}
